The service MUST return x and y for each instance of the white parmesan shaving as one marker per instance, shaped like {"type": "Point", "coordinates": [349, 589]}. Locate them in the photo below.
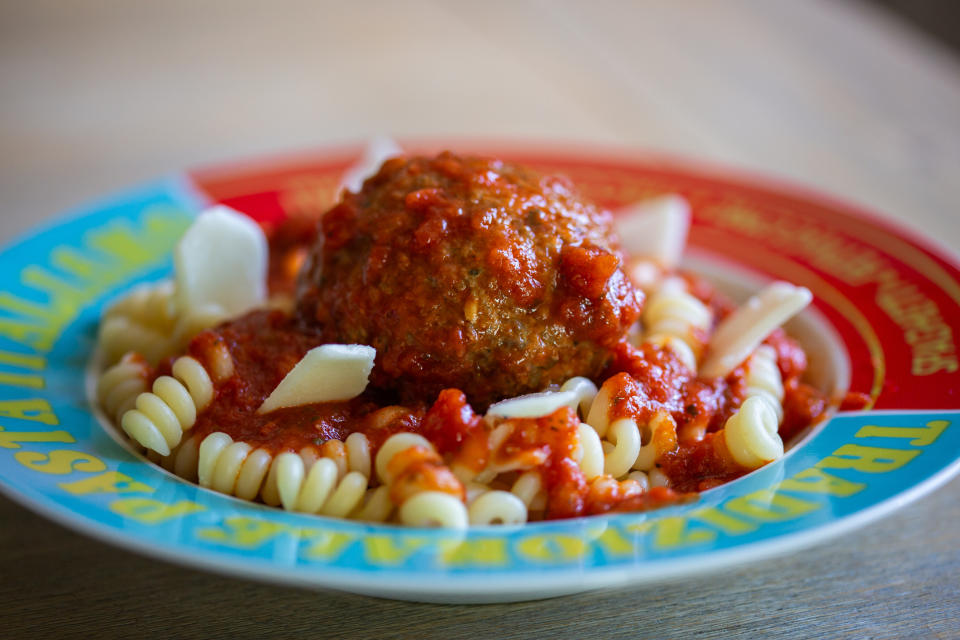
{"type": "Point", "coordinates": [374, 154]}
{"type": "Point", "coordinates": [655, 229]}
{"type": "Point", "coordinates": [743, 330]}
{"type": "Point", "coordinates": [221, 262]}
{"type": "Point", "coordinates": [328, 373]}
{"type": "Point", "coordinates": [534, 405]}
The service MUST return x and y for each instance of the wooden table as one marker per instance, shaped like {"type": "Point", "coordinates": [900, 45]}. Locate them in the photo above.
{"type": "Point", "coordinates": [100, 95]}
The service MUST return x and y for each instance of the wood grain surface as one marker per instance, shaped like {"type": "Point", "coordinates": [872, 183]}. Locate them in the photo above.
{"type": "Point", "coordinates": [836, 95]}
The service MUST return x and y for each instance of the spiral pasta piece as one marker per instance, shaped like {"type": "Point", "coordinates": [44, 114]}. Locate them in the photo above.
{"type": "Point", "coordinates": [607, 485]}
{"type": "Point", "coordinates": [751, 434]}
{"type": "Point", "coordinates": [120, 335]}
{"type": "Point", "coordinates": [623, 440]}
{"type": "Point", "coordinates": [141, 321]}
{"type": "Point", "coordinates": [658, 478]}
{"type": "Point", "coordinates": [504, 461]}
{"type": "Point", "coordinates": [673, 317]}
{"type": "Point", "coordinates": [599, 416]}
{"type": "Point", "coordinates": [358, 453]}
{"type": "Point", "coordinates": [150, 305]}
{"type": "Point", "coordinates": [584, 390]}
{"type": "Point", "coordinates": [119, 386]}
{"type": "Point", "coordinates": [528, 487]}
{"type": "Point", "coordinates": [149, 321]}
{"type": "Point", "coordinates": [391, 447]}
{"type": "Point", "coordinates": [314, 489]}
{"type": "Point", "coordinates": [641, 478]}
{"type": "Point", "coordinates": [647, 456]}
{"type": "Point", "coordinates": [497, 507]}
{"type": "Point", "coordinates": [376, 506]}
{"type": "Point", "coordinates": [183, 459]}
{"type": "Point", "coordinates": [427, 492]}
{"type": "Point", "coordinates": [644, 443]}
{"type": "Point", "coordinates": [160, 417]}
{"type": "Point", "coordinates": [434, 509]}
{"type": "Point", "coordinates": [230, 467]}
{"type": "Point", "coordinates": [763, 378]}
{"type": "Point", "coordinates": [589, 454]}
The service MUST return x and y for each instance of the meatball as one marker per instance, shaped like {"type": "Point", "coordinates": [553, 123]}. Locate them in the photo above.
{"type": "Point", "coordinates": [469, 273]}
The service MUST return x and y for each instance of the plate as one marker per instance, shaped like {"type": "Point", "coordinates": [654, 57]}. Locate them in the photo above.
{"type": "Point", "coordinates": [884, 321]}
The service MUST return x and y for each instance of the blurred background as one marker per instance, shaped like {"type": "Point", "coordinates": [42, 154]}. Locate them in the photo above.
{"type": "Point", "coordinates": [850, 97]}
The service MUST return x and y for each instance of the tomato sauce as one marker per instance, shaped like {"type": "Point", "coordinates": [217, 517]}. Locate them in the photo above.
{"type": "Point", "coordinates": [264, 346]}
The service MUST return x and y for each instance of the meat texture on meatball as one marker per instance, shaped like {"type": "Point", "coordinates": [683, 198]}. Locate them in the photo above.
{"type": "Point", "coordinates": [469, 273]}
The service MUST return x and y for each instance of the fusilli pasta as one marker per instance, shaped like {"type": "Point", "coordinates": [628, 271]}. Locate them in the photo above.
{"type": "Point", "coordinates": [621, 447]}
{"type": "Point", "coordinates": [149, 321]}
{"type": "Point", "coordinates": [677, 320]}
{"type": "Point", "coordinates": [497, 507]}
{"type": "Point", "coordinates": [584, 390]}
{"type": "Point", "coordinates": [183, 459]}
{"type": "Point", "coordinates": [141, 321]}
{"type": "Point", "coordinates": [590, 454]}
{"type": "Point", "coordinates": [627, 445]}
{"type": "Point", "coordinates": [763, 378]}
{"type": "Point", "coordinates": [316, 488]}
{"type": "Point", "coordinates": [402, 463]}
{"type": "Point", "coordinates": [751, 433]}
{"type": "Point", "coordinates": [528, 487]}
{"type": "Point", "coordinates": [119, 386]}
{"type": "Point", "coordinates": [163, 414]}
{"type": "Point", "coordinates": [234, 468]}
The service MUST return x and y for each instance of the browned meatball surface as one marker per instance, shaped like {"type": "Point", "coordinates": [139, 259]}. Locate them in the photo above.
{"type": "Point", "coordinates": [469, 273]}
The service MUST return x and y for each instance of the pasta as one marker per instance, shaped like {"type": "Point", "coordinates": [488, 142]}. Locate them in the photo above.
{"type": "Point", "coordinates": [621, 447]}
{"type": "Point", "coordinates": [528, 488]}
{"type": "Point", "coordinates": [497, 507]}
{"type": "Point", "coordinates": [661, 433]}
{"type": "Point", "coordinates": [751, 433]}
{"type": "Point", "coordinates": [232, 388]}
{"type": "Point", "coordinates": [119, 386]}
{"type": "Point", "coordinates": [376, 507]}
{"type": "Point", "coordinates": [763, 378]}
{"type": "Point", "coordinates": [628, 446]}
{"type": "Point", "coordinates": [149, 322]}
{"type": "Point", "coordinates": [331, 481]}
{"type": "Point", "coordinates": [183, 459]}
{"type": "Point", "coordinates": [317, 489]}
{"type": "Point", "coordinates": [141, 321]}
{"type": "Point", "coordinates": [162, 415]}
{"type": "Point", "coordinates": [678, 321]}
{"type": "Point", "coordinates": [584, 391]}
{"type": "Point", "coordinates": [590, 455]}
{"type": "Point", "coordinates": [401, 464]}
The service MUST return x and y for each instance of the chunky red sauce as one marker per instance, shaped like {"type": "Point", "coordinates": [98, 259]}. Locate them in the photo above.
{"type": "Point", "coordinates": [468, 301]}
{"type": "Point", "coordinates": [264, 346]}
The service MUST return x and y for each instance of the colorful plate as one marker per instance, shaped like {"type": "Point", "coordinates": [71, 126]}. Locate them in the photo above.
{"type": "Point", "coordinates": [886, 315]}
